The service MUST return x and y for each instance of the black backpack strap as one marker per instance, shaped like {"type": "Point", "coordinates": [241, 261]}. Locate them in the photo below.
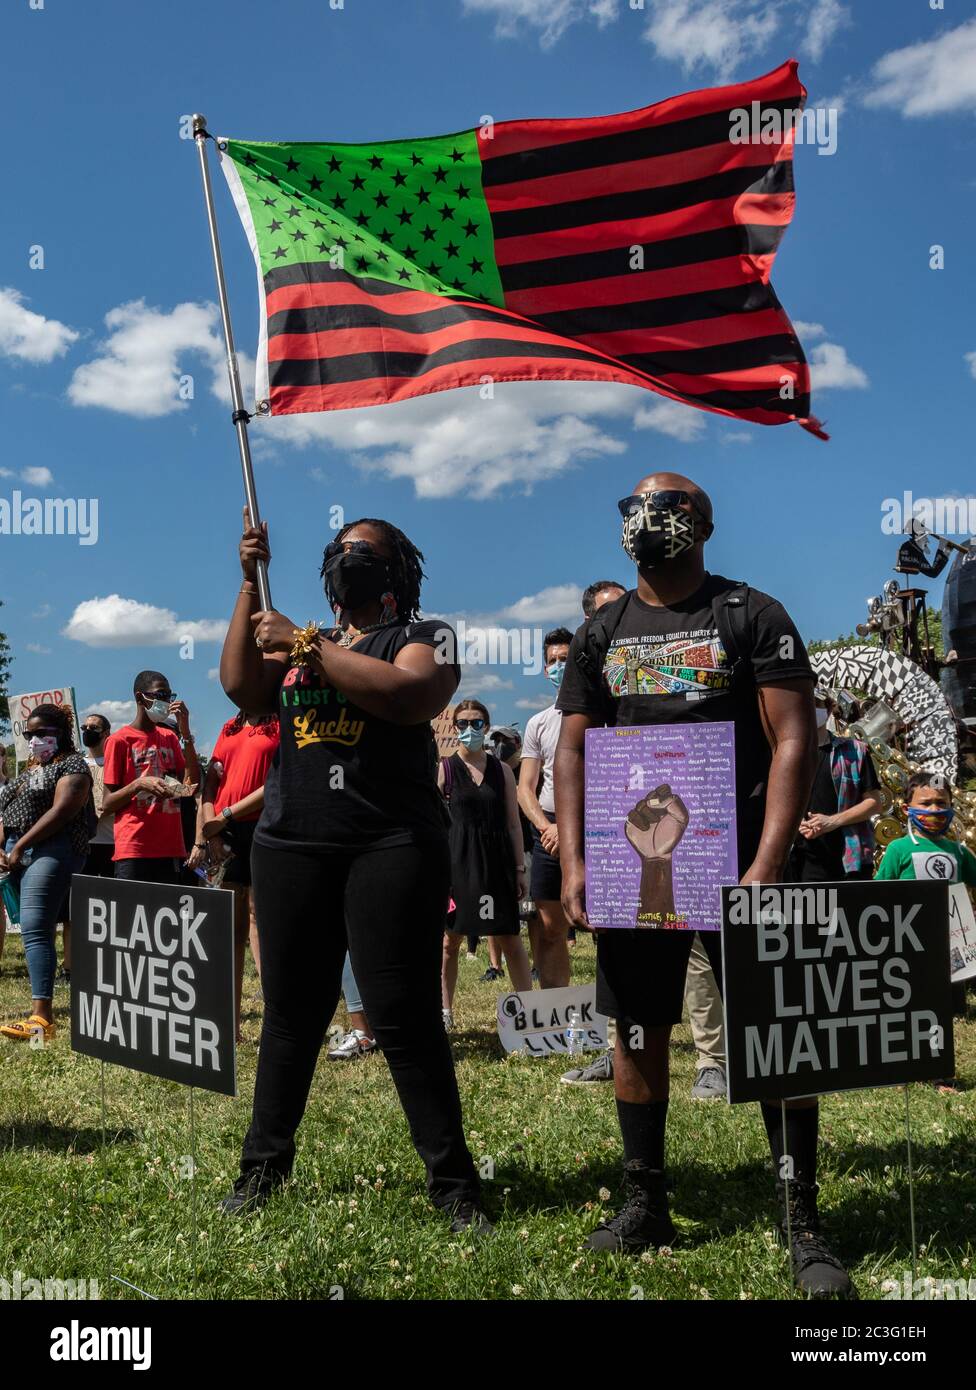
{"type": "Point", "coordinates": [730, 613]}
{"type": "Point", "coordinates": [597, 636]}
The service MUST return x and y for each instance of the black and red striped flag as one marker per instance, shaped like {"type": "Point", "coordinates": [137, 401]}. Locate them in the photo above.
{"type": "Point", "coordinates": [634, 248]}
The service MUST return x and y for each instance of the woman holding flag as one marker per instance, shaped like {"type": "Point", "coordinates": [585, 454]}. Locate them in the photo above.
{"type": "Point", "coordinates": [351, 847]}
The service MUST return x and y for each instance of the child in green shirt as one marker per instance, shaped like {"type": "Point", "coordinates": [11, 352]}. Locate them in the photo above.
{"type": "Point", "coordinates": [925, 853]}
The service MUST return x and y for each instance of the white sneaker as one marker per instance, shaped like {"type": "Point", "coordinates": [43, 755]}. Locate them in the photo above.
{"type": "Point", "coordinates": [355, 1043]}
{"type": "Point", "coordinates": [448, 1018]}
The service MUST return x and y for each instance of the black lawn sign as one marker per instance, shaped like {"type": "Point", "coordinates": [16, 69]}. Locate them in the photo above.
{"type": "Point", "coordinates": [152, 979]}
{"type": "Point", "coordinates": [835, 986]}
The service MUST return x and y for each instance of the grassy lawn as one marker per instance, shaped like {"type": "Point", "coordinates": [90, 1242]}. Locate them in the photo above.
{"type": "Point", "coordinates": [355, 1214]}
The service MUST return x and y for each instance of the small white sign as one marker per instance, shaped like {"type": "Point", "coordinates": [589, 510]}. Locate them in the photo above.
{"type": "Point", "coordinates": [547, 1021]}
{"type": "Point", "coordinates": [962, 934]}
{"type": "Point", "coordinates": [23, 706]}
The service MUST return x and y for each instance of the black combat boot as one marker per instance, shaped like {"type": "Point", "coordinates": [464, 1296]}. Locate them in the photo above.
{"type": "Point", "coordinates": [644, 1222]}
{"type": "Point", "coordinates": [817, 1272]}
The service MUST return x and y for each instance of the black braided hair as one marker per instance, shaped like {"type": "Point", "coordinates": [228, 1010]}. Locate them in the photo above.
{"type": "Point", "coordinates": [406, 565]}
{"type": "Point", "coordinates": [235, 725]}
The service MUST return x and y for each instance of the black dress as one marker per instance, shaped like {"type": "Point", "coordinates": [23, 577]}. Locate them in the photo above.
{"type": "Point", "coordinates": [482, 867]}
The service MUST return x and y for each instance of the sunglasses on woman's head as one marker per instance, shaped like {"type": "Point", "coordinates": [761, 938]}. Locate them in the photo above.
{"type": "Point", "coordinates": [663, 498]}
{"type": "Point", "coordinates": [469, 723]}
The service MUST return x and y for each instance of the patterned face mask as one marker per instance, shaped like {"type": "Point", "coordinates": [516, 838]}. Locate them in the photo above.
{"type": "Point", "coordinates": [652, 536]}
{"type": "Point", "coordinates": [935, 822]}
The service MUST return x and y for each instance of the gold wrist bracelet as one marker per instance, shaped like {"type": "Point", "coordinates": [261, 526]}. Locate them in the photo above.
{"type": "Point", "coordinates": [305, 639]}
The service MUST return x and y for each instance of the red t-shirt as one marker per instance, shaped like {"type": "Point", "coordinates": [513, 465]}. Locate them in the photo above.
{"type": "Point", "coordinates": [149, 827]}
{"type": "Point", "coordinates": [244, 757]}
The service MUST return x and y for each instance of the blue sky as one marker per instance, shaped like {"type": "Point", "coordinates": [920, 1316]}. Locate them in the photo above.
{"type": "Point", "coordinates": [512, 501]}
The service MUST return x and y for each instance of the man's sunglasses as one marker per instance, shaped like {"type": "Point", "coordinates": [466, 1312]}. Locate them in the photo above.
{"type": "Point", "coordinates": [663, 498]}
{"type": "Point", "coordinates": [168, 695]}
{"type": "Point", "coordinates": [469, 723]}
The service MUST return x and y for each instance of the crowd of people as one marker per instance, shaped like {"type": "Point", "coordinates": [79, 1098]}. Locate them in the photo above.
{"type": "Point", "coordinates": [360, 861]}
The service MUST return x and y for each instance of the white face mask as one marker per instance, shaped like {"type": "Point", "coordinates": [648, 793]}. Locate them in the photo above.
{"type": "Point", "coordinates": [158, 711]}
{"type": "Point", "coordinates": [43, 747]}
{"type": "Point", "coordinates": [822, 717]}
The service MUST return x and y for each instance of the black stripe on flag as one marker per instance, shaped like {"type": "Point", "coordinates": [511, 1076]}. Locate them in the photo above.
{"type": "Point", "coordinates": [600, 150]}
{"type": "Point", "coordinates": [748, 239]}
{"type": "Point", "coordinates": [645, 202]}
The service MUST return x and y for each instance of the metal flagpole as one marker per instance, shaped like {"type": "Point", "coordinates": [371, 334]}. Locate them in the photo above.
{"type": "Point", "coordinates": [240, 416]}
{"type": "Point", "coordinates": [911, 1186]}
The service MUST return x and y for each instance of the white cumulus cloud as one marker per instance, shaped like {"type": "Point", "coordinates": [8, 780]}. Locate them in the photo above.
{"type": "Point", "coordinates": [37, 477]}
{"type": "Point", "coordinates": [717, 35]}
{"type": "Point", "coordinates": [682, 422]}
{"type": "Point", "coordinates": [138, 367]}
{"type": "Point", "coordinates": [124, 622]}
{"type": "Point", "coordinates": [825, 18]}
{"type": "Point", "coordinates": [457, 444]}
{"type": "Point", "coordinates": [550, 18]}
{"type": "Point", "coordinates": [28, 336]}
{"type": "Point", "coordinates": [117, 712]}
{"type": "Point", "coordinates": [931, 78]}
{"type": "Point", "coordinates": [832, 369]}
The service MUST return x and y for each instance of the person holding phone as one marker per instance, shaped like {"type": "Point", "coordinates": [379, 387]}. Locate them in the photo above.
{"type": "Point", "coordinates": [144, 762]}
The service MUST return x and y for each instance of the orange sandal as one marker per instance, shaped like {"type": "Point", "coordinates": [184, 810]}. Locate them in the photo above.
{"type": "Point", "coordinates": [32, 1027]}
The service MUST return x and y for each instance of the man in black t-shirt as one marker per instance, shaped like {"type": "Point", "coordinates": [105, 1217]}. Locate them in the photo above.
{"type": "Point", "coordinates": [658, 656]}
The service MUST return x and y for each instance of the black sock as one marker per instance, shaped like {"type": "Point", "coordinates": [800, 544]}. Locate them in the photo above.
{"type": "Point", "coordinates": [642, 1128]}
{"type": "Point", "coordinates": [799, 1142]}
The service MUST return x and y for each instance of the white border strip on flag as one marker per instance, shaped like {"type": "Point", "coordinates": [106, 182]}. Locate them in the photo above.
{"type": "Point", "coordinates": [262, 386]}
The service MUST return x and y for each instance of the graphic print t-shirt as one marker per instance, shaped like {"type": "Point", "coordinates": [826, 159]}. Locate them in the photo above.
{"type": "Point", "coordinates": [931, 857]}
{"type": "Point", "coordinates": [669, 666]}
{"type": "Point", "coordinates": [149, 827]}
{"type": "Point", "coordinates": [344, 779]}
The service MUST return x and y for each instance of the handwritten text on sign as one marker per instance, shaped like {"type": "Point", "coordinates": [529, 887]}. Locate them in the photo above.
{"type": "Point", "coordinates": [540, 1023]}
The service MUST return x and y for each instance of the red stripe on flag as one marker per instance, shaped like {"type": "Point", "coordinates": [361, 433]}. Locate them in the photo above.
{"type": "Point", "coordinates": [342, 342]}
{"type": "Point", "coordinates": [727, 272]}
{"type": "Point", "coordinates": [291, 400]}
{"type": "Point", "coordinates": [659, 171]}
{"type": "Point", "coordinates": [772, 375]}
{"type": "Point", "coordinates": [319, 293]}
{"type": "Point", "coordinates": [515, 137]}
{"type": "Point", "coordinates": [683, 337]}
{"type": "Point", "coordinates": [767, 209]}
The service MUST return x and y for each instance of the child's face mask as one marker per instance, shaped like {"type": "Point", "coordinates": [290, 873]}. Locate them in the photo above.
{"type": "Point", "coordinates": [934, 821]}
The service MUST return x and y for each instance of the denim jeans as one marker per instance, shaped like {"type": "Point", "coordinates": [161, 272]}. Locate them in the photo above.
{"type": "Point", "coordinates": [44, 877]}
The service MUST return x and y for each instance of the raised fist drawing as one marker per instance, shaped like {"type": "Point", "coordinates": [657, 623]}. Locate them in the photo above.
{"type": "Point", "coordinates": [654, 827]}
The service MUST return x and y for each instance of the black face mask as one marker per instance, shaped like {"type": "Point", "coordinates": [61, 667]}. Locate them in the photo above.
{"type": "Point", "coordinates": [91, 737]}
{"type": "Point", "coordinates": [356, 577]}
{"type": "Point", "coordinates": [654, 535]}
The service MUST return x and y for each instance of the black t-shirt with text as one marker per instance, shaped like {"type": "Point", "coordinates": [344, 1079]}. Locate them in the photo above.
{"type": "Point", "coordinates": [669, 666]}
{"type": "Point", "coordinates": [343, 779]}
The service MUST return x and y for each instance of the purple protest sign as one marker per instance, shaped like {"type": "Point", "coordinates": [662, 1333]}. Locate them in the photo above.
{"type": "Point", "coordinates": [659, 826]}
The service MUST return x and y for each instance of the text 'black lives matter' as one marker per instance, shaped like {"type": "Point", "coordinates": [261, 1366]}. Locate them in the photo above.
{"type": "Point", "coordinates": [835, 986]}
{"type": "Point", "coordinates": [152, 979]}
